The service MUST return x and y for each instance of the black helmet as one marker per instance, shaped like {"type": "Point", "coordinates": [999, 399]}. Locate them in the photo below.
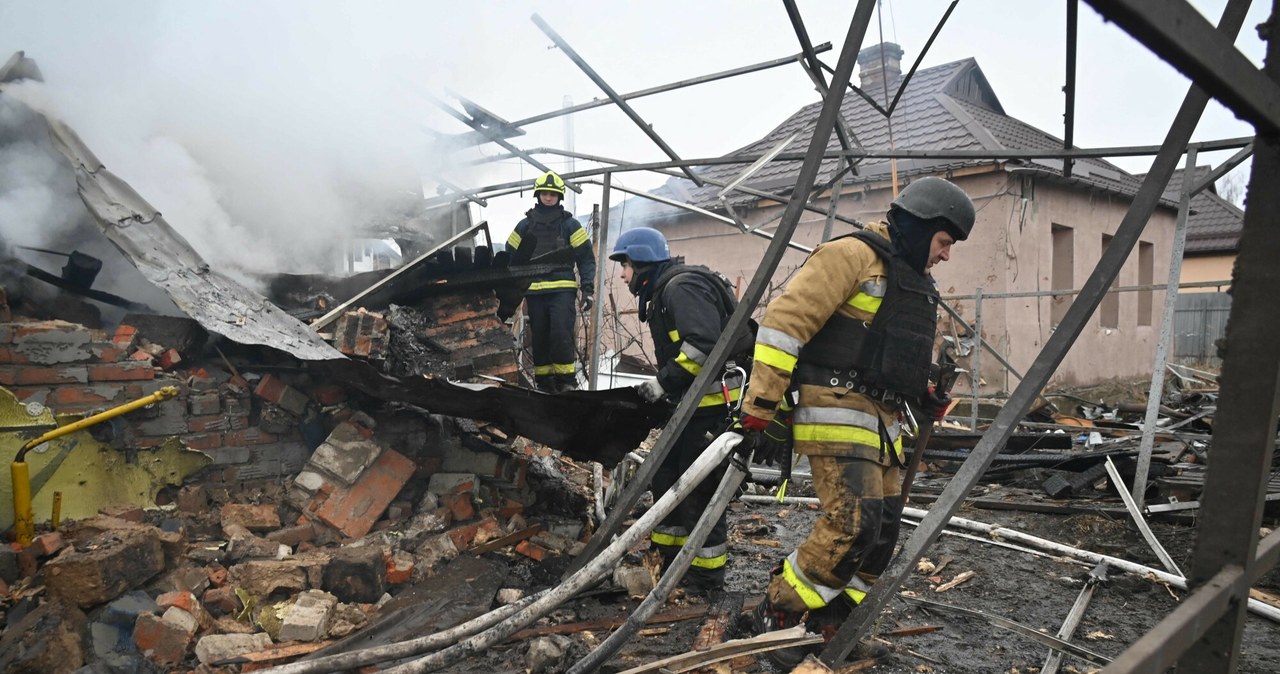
{"type": "Point", "coordinates": [932, 198]}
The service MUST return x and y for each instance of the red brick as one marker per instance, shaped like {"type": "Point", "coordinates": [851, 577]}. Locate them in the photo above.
{"type": "Point", "coordinates": [206, 424]}
{"type": "Point", "coordinates": [36, 328]}
{"type": "Point", "coordinates": [510, 508]}
{"type": "Point", "coordinates": [460, 505]}
{"type": "Point", "coordinates": [193, 498]}
{"type": "Point", "coordinates": [255, 517]}
{"type": "Point", "coordinates": [45, 545]}
{"type": "Point", "coordinates": [124, 337]}
{"type": "Point", "coordinates": [532, 550]}
{"type": "Point", "coordinates": [249, 436]}
{"type": "Point", "coordinates": [8, 356]}
{"type": "Point", "coordinates": [463, 536]}
{"type": "Point", "coordinates": [106, 352]}
{"type": "Point", "coordinates": [126, 371]}
{"type": "Point", "coordinates": [160, 641]}
{"type": "Point", "coordinates": [270, 388]}
{"type": "Point", "coordinates": [354, 510]}
{"type": "Point", "coordinates": [170, 359]}
{"type": "Point", "coordinates": [217, 574]}
{"type": "Point", "coordinates": [329, 394]}
{"type": "Point", "coordinates": [221, 600]}
{"type": "Point", "coordinates": [65, 396]}
{"type": "Point", "coordinates": [399, 568]}
{"type": "Point", "coordinates": [202, 440]}
{"type": "Point", "coordinates": [183, 600]}
{"type": "Point", "coordinates": [129, 513]}
{"type": "Point", "coordinates": [142, 357]}
{"type": "Point", "coordinates": [36, 376]}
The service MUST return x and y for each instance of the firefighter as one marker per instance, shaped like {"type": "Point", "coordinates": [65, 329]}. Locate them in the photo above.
{"type": "Point", "coordinates": [853, 332]}
{"type": "Point", "coordinates": [686, 307]}
{"type": "Point", "coordinates": [547, 228]}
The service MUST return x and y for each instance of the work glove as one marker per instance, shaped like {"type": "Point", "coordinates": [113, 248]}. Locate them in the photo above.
{"type": "Point", "coordinates": [770, 440]}
{"type": "Point", "coordinates": [586, 302]}
{"type": "Point", "coordinates": [650, 391]}
{"type": "Point", "coordinates": [934, 404]}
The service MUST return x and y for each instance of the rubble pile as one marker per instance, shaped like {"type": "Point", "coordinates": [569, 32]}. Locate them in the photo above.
{"type": "Point", "coordinates": [303, 511]}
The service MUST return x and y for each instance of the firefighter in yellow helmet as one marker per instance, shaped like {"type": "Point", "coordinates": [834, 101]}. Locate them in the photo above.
{"type": "Point", "coordinates": [853, 331]}
{"type": "Point", "coordinates": [550, 299]}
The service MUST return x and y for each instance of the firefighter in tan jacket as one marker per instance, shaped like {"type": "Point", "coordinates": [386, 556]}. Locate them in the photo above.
{"type": "Point", "coordinates": [853, 333]}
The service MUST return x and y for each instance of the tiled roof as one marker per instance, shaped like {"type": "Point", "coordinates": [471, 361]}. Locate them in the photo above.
{"type": "Point", "coordinates": [1214, 224]}
{"type": "Point", "coordinates": [944, 107]}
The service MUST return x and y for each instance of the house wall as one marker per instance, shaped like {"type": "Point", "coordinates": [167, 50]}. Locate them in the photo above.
{"type": "Point", "coordinates": [1206, 268]}
{"type": "Point", "coordinates": [1009, 251]}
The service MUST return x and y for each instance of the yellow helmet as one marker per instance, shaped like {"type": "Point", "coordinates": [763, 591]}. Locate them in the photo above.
{"type": "Point", "coordinates": [549, 182]}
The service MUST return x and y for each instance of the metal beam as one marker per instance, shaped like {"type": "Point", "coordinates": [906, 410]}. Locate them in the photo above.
{"type": "Point", "coordinates": [902, 87]}
{"type": "Point", "coordinates": [1222, 169]}
{"type": "Point", "coordinates": [324, 321]}
{"type": "Point", "coordinates": [845, 135]}
{"type": "Point", "coordinates": [751, 296]}
{"type": "Point", "coordinates": [560, 112]}
{"type": "Point", "coordinates": [1245, 425]}
{"type": "Point", "coordinates": [613, 95]}
{"type": "Point", "coordinates": [1046, 363]}
{"type": "Point", "coordinates": [1069, 113]}
{"type": "Point", "coordinates": [597, 311]}
{"type": "Point", "coordinates": [1157, 650]}
{"type": "Point", "coordinates": [1179, 34]}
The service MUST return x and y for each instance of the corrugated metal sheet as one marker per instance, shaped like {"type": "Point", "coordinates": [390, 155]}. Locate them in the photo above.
{"type": "Point", "coordinates": [1199, 321]}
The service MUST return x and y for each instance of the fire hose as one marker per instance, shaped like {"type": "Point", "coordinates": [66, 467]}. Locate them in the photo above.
{"type": "Point", "coordinates": [523, 613]}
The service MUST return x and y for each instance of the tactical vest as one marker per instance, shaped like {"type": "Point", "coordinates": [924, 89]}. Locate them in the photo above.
{"type": "Point", "coordinates": [547, 236]}
{"type": "Point", "coordinates": [890, 357]}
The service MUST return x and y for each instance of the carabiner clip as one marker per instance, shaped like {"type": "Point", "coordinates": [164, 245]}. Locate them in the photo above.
{"type": "Point", "coordinates": [730, 368]}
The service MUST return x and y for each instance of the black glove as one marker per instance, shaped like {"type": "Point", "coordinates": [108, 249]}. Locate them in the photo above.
{"type": "Point", "coordinates": [934, 404]}
{"type": "Point", "coordinates": [770, 441]}
{"type": "Point", "coordinates": [586, 302]}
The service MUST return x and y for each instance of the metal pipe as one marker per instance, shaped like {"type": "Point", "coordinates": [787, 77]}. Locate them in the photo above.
{"type": "Point", "coordinates": [674, 573]}
{"type": "Point", "coordinates": [20, 473]}
{"type": "Point", "coordinates": [755, 290]}
{"type": "Point", "coordinates": [589, 574]}
{"type": "Point", "coordinates": [1069, 113]}
{"type": "Point", "coordinates": [975, 370]}
{"type": "Point", "coordinates": [1156, 392]}
{"type": "Point", "coordinates": [618, 100]}
{"type": "Point", "coordinates": [1046, 363]}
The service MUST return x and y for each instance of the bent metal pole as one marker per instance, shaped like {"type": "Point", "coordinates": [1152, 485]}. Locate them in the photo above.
{"type": "Point", "coordinates": [588, 575]}
{"type": "Point", "coordinates": [733, 477]}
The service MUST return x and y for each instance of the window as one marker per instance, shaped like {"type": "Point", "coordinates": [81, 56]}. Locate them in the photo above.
{"type": "Point", "coordinates": [1146, 277]}
{"type": "Point", "coordinates": [1064, 258]}
{"type": "Point", "coordinates": [1109, 312]}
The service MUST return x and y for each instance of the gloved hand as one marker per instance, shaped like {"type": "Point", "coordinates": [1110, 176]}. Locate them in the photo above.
{"type": "Point", "coordinates": [769, 440]}
{"type": "Point", "coordinates": [586, 301]}
{"type": "Point", "coordinates": [650, 391]}
{"type": "Point", "coordinates": [934, 404]}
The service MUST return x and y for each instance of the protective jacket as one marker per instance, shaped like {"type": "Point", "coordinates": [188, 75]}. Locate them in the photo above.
{"type": "Point", "coordinates": [854, 329]}
{"type": "Point", "coordinates": [689, 310]}
{"type": "Point", "coordinates": [546, 229]}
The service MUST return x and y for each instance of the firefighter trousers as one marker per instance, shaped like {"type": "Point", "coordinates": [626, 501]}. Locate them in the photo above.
{"type": "Point", "coordinates": [851, 543]}
{"type": "Point", "coordinates": [551, 323]}
{"type": "Point", "coordinates": [707, 567]}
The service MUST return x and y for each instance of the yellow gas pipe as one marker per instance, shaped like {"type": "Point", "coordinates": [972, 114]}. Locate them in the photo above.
{"type": "Point", "coordinates": [23, 520]}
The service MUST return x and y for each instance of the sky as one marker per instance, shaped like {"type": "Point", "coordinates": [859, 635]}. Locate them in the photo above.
{"type": "Point", "coordinates": [263, 130]}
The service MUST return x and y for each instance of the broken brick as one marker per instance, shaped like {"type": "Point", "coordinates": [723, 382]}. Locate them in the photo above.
{"type": "Point", "coordinates": [160, 640]}
{"type": "Point", "coordinates": [126, 512]}
{"type": "Point", "coordinates": [184, 600]}
{"type": "Point", "coordinates": [399, 568]}
{"type": "Point", "coordinates": [124, 337]}
{"type": "Point", "coordinates": [126, 371]}
{"type": "Point", "coordinates": [193, 498]}
{"type": "Point", "coordinates": [273, 390]}
{"type": "Point", "coordinates": [356, 575]}
{"type": "Point", "coordinates": [353, 510]}
{"type": "Point", "coordinates": [221, 600]}
{"type": "Point", "coordinates": [532, 550]}
{"type": "Point", "coordinates": [327, 395]}
{"type": "Point", "coordinates": [45, 545]}
{"type": "Point", "coordinates": [263, 517]}
{"type": "Point", "coordinates": [169, 359]}
{"type": "Point", "coordinates": [459, 505]}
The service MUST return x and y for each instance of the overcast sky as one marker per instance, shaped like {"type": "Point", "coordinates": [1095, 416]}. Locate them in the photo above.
{"type": "Point", "coordinates": [260, 129]}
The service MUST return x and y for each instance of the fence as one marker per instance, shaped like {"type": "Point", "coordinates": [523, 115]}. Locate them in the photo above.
{"type": "Point", "coordinates": [1199, 321]}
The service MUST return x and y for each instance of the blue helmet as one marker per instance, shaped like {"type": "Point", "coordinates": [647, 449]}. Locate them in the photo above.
{"type": "Point", "coordinates": [641, 244]}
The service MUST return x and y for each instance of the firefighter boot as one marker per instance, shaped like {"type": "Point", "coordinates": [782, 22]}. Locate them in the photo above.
{"type": "Point", "coordinates": [768, 618]}
{"type": "Point", "coordinates": [700, 581]}
{"type": "Point", "coordinates": [827, 621]}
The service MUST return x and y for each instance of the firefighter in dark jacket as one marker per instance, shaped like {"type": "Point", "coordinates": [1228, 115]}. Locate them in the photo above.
{"type": "Point", "coordinates": [853, 331]}
{"type": "Point", "coordinates": [686, 307]}
{"type": "Point", "coordinates": [550, 299]}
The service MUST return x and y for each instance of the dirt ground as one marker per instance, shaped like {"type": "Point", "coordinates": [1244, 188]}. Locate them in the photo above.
{"type": "Point", "coordinates": [1036, 591]}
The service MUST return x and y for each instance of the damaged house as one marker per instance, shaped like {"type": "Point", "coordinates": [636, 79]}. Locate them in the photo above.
{"type": "Point", "coordinates": [1040, 227]}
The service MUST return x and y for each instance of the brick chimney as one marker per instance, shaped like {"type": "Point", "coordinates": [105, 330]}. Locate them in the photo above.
{"type": "Point", "coordinates": [873, 70]}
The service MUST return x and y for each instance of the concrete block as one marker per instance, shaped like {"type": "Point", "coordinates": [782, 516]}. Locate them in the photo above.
{"type": "Point", "coordinates": [124, 611]}
{"type": "Point", "coordinates": [263, 517]}
{"type": "Point", "coordinates": [53, 342]}
{"type": "Point", "coordinates": [263, 577]}
{"type": "Point", "coordinates": [463, 460]}
{"type": "Point", "coordinates": [109, 564]}
{"type": "Point", "coordinates": [452, 483]}
{"type": "Point", "coordinates": [309, 480]}
{"type": "Point", "coordinates": [218, 647]}
{"type": "Point", "coordinates": [204, 403]}
{"type": "Point", "coordinates": [181, 619]}
{"type": "Point", "coordinates": [308, 618]}
{"type": "Point", "coordinates": [354, 510]}
{"type": "Point", "coordinates": [346, 453]}
{"type": "Point", "coordinates": [356, 575]}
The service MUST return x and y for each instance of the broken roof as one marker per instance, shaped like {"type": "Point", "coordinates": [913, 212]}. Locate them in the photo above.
{"type": "Point", "coordinates": [1214, 224]}
{"type": "Point", "coordinates": [945, 107]}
